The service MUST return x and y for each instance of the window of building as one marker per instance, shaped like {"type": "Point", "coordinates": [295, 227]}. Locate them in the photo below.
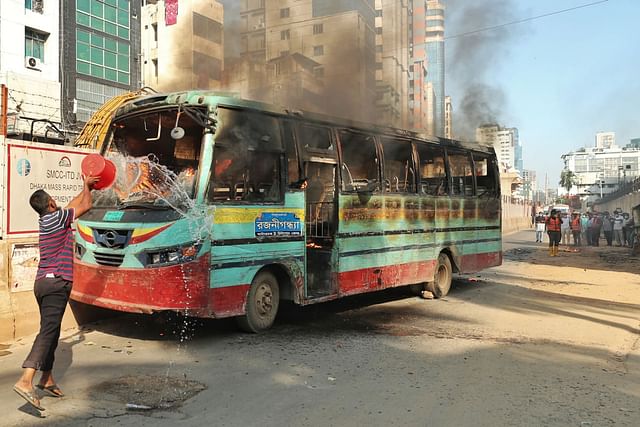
{"type": "Point", "coordinates": [102, 57]}
{"type": "Point", "coordinates": [285, 35]}
{"type": "Point", "coordinates": [378, 13]}
{"type": "Point", "coordinates": [318, 28]}
{"type": "Point", "coordinates": [91, 96]}
{"type": "Point", "coordinates": [318, 72]}
{"type": "Point", "coordinates": [34, 43]}
{"type": "Point", "coordinates": [318, 50]}
{"type": "Point", "coordinates": [247, 155]}
{"type": "Point", "coordinates": [284, 12]}
{"type": "Point", "coordinates": [207, 28]}
{"type": "Point", "coordinates": [378, 30]}
{"type": "Point", "coordinates": [486, 175]}
{"type": "Point", "coordinates": [109, 16]}
{"type": "Point", "coordinates": [433, 172]}
{"type": "Point", "coordinates": [34, 5]}
{"type": "Point", "coordinates": [379, 48]}
{"type": "Point", "coordinates": [461, 174]}
{"type": "Point", "coordinates": [399, 171]}
{"type": "Point", "coordinates": [206, 68]}
{"type": "Point", "coordinates": [359, 162]}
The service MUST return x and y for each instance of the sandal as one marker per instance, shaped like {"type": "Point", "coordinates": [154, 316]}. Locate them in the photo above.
{"type": "Point", "coordinates": [29, 396]}
{"type": "Point", "coordinates": [52, 390]}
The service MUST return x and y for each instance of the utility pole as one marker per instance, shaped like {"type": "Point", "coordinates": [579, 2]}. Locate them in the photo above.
{"type": "Point", "coordinates": [546, 189]}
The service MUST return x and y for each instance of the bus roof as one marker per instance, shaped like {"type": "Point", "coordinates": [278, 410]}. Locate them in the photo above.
{"type": "Point", "coordinates": [214, 98]}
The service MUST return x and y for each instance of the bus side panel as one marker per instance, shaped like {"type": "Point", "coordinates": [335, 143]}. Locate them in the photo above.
{"type": "Point", "coordinates": [384, 241]}
{"type": "Point", "coordinates": [239, 251]}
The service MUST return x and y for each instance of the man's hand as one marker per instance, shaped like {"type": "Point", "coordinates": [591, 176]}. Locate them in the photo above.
{"type": "Point", "coordinates": [89, 181]}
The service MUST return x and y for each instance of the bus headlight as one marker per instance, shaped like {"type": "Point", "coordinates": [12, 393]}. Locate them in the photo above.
{"type": "Point", "coordinates": [168, 256]}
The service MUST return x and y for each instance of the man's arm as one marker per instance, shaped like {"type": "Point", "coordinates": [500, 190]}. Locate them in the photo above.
{"type": "Point", "coordinates": [83, 202]}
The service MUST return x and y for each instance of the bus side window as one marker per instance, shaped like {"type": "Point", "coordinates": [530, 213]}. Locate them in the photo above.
{"type": "Point", "coordinates": [461, 174]}
{"type": "Point", "coordinates": [486, 177]}
{"type": "Point", "coordinates": [360, 162]}
{"type": "Point", "coordinates": [246, 158]}
{"type": "Point", "coordinates": [293, 163]}
{"type": "Point", "coordinates": [433, 173]}
{"type": "Point", "coordinates": [399, 172]}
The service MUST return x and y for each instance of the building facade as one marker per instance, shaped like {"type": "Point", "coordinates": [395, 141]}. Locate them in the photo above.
{"type": "Point", "coordinates": [505, 141]}
{"type": "Point", "coordinates": [29, 68]}
{"type": "Point", "coordinates": [426, 67]}
{"type": "Point", "coordinates": [392, 63]}
{"type": "Point", "coordinates": [101, 45]}
{"type": "Point", "coordinates": [530, 185]}
{"type": "Point", "coordinates": [605, 139]}
{"type": "Point", "coordinates": [602, 170]}
{"type": "Point", "coordinates": [184, 51]}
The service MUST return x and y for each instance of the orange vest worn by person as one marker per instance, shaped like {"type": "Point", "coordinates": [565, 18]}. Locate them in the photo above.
{"type": "Point", "coordinates": [575, 224]}
{"type": "Point", "coordinates": [553, 224]}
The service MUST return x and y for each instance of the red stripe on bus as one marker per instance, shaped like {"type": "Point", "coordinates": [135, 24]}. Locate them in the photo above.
{"type": "Point", "coordinates": [229, 301]}
{"type": "Point", "coordinates": [144, 290]}
{"type": "Point", "coordinates": [370, 279]}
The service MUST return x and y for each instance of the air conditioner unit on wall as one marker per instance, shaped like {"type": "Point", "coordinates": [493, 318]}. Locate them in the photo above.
{"type": "Point", "coordinates": [32, 63]}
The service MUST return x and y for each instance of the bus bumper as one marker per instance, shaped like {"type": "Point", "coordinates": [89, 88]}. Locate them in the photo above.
{"type": "Point", "coordinates": [183, 288]}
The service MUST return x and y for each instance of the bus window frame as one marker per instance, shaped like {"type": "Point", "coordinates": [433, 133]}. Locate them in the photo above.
{"type": "Point", "coordinates": [445, 158]}
{"type": "Point", "coordinates": [383, 162]}
{"type": "Point", "coordinates": [341, 164]}
{"type": "Point", "coordinates": [468, 153]}
{"type": "Point", "coordinates": [282, 163]}
{"type": "Point", "coordinates": [493, 163]}
{"type": "Point", "coordinates": [311, 154]}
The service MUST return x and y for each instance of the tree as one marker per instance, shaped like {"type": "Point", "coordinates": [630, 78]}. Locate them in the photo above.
{"type": "Point", "coordinates": [568, 179]}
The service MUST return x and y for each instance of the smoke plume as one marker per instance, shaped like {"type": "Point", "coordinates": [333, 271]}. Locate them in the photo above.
{"type": "Point", "coordinates": [472, 59]}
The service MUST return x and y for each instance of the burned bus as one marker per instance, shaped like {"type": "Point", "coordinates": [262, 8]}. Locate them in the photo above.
{"type": "Point", "coordinates": [225, 207]}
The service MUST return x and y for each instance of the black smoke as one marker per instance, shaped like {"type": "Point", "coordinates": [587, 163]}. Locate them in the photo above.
{"type": "Point", "coordinates": [473, 57]}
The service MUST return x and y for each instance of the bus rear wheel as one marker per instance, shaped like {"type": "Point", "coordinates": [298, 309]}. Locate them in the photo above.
{"type": "Point", "coordinates": [262, 303]}
{"type": "Point", "coordinates": [442, 278]}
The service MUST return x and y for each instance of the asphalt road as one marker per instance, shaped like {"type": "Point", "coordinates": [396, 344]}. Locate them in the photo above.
{"type": "Point", "coordinates": [534, 342]}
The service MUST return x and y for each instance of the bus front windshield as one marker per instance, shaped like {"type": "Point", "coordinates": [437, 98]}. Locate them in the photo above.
{"type": "Point", "coordinates": [156, 156]}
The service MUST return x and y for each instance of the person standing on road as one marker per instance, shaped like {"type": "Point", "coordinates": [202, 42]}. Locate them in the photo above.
{"type": "Point", "coordinates": [607, 228]}
{"type": "Point", "coordinates": [52, 286]}
{"type": "Point", "coordinates": [584, 223]}
{"type": "Point", "coordinates": [565, 228]}
{"type": "Point", "coordinates": [625, 228]}
{"type": "Point", "coordinates": [597, 226]}
{"type": "Point", "coordinates": [553, 229]}
{"type": "Point", "coordinates": [576, 229]}
{"type": "Point", "coordinates": [540, 226]}
{"type": "Point", "coordinates": [618, 222]}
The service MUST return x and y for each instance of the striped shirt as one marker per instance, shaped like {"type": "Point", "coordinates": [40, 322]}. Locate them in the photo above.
{"type": "Point", "coordinates": [56, 244]}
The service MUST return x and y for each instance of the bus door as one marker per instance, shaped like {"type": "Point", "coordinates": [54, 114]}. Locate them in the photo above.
{"type": "Point", "coordinates": [319, 159]}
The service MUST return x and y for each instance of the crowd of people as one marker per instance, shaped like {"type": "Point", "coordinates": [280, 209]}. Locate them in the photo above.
{"type": "Point", "coordinates": [586, 229]}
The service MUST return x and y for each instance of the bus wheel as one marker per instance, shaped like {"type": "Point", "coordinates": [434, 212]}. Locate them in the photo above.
{"type": "Point", "coordinates": [442, 278]}
{"type": "Point", "coordinates": [262, 303]}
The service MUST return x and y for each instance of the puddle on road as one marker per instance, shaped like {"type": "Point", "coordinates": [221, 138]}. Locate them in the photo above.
{"type": "Point", "coordinates": [146, 392]}
{"type": "Point", "coordinates": [518, 254]}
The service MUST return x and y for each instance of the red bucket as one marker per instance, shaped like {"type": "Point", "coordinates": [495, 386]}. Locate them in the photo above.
{"type": "Point", "coordinates": [96, 165]}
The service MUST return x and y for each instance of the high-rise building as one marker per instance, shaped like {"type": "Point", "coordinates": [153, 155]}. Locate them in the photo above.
{"type": "Point", "coordinates": [605, 139]}
{"type": "Point", "coordinates": [392, 62]}
{"type": "Point", "coordinates": [435, 60]}
{"type": "Point", "coordinates": [101, 45]}
{"type": "Point", "coordinates": [184, 51]}
{"type": "Point", "coordinates": [506, 143]}
{"type": "Point", "coordinates": [530, 185]}
{"type": "Point", "coordinates": [30, 67]}
{"type": "Point", "coordinates": [448, 118]}
{"type": "Point", "coordinates": [634, 143]}
{"type": "Point", "coordinates": [339, 36]}
{"type": "Point", "coordinates": [426, 76]}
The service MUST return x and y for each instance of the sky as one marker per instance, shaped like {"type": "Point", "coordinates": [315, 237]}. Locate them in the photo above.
{"type": "Point", "coordinates": [558, 79]}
